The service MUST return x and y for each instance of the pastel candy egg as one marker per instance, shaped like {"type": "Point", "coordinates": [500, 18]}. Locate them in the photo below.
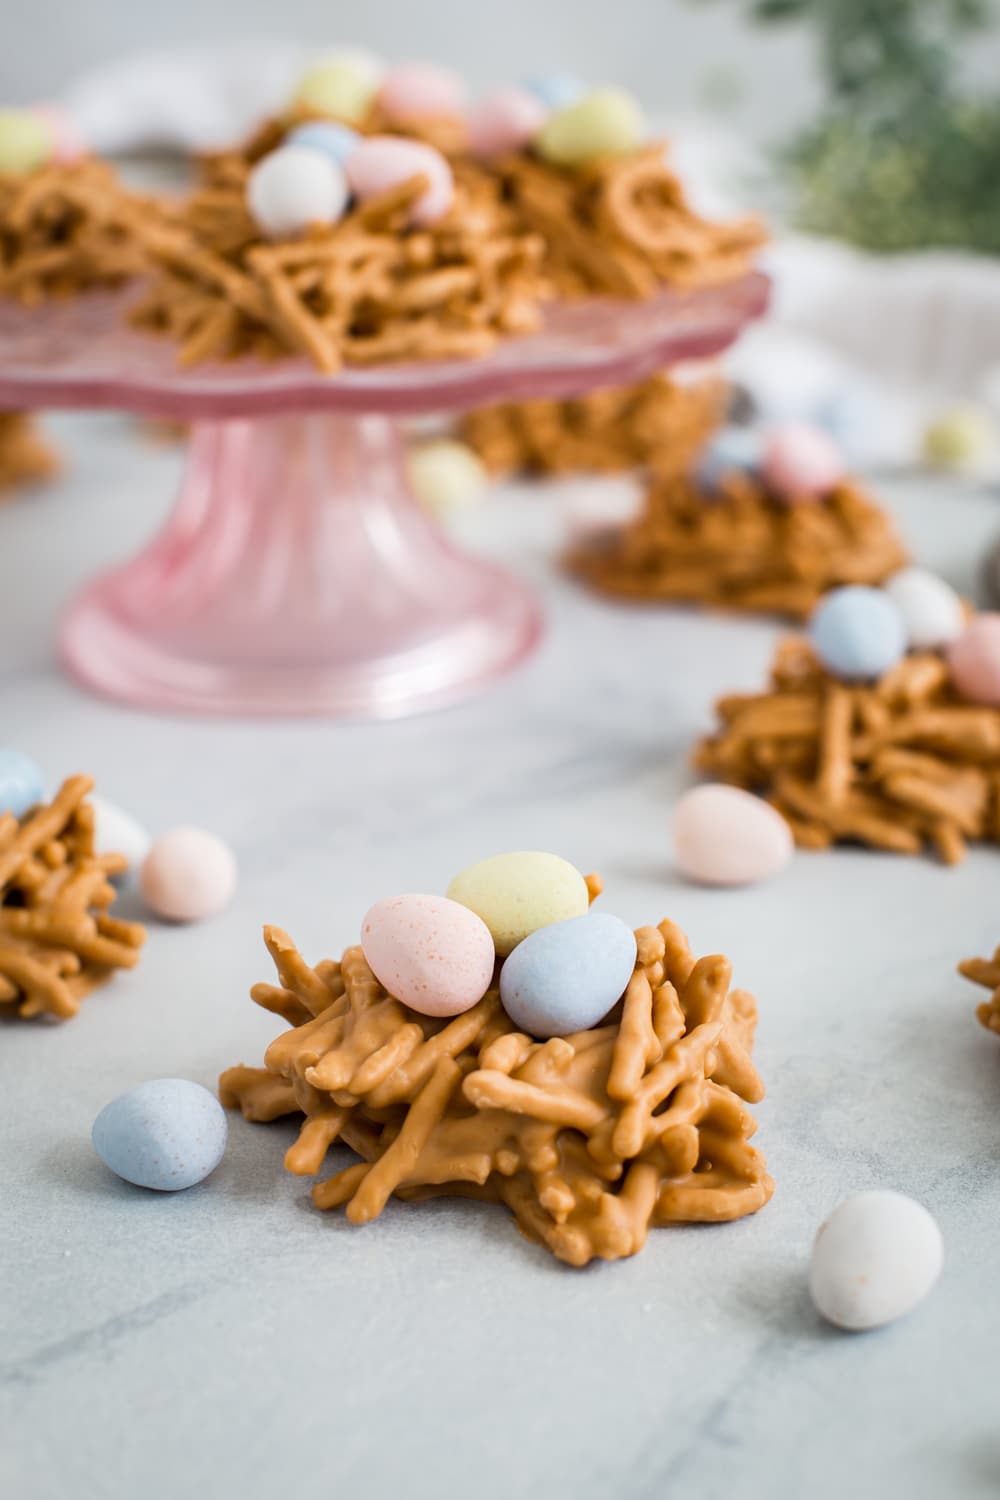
{"type": "Point", "coordinates": [294, 187]}
{"type": "Point", "coordinates": [384, 161]}
{"type": "Point", "coordinates": [932, 612]}
{"type": "Point", "coordinates": [566, 977]}
{"type": "Point", "coordinates": [341, 85]}
{"type": "Point", "coordinates": [734, 450]}
{"type": "Point", "coordinates": [26, 141]}
{"type": "Point", "coordinates": [516, 894]}
{"type": "Point", "coordinates": [166, 1134]}
{"type": "Point", "coordinates": [556, 90]}
{"type": "Point", "coordinates": [958, 439]}
{"type": "Point", "coordinates": [67, 141]}
{"type": "Point", "coordinates": [506, 120]}
{"type": "Point", "coordinates": [857, 633]}
{"type": "Point", "coordinates": [725, 836]}
{"type": "Point", "coordinates": [20, 783]}
{"type": "Point", "coordinates": [431, 953]}
{"type": "Point", "coordinates": [117, 832]}
{"type": "Point", "coordinates": [417, 91]}
{"type": "Point", "coordinates": [607, 122]}
{"type": "Point", "coordinates": [447, 476]}
{"type": "Point", "coordinates": [974, 661]}
{"type": "Point", "coordinates": [874, 1259]}
{"type": "Point", "coordinates": [801, 462]}
{"type": "Point", "coordinates": [333, 140]}
{"type": "Point", "coordinates": [188, 875]}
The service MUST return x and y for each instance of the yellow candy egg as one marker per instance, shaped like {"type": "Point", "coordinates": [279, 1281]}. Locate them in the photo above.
{"type": "Point", "coordinates": [447, 476]}
{"type": "Point", "coordinates": [516, 894]}
{"type": "Point", "coordinates": [25, 141]}
{"type": "Point", "coordinates": [340, 87]}
{"type": "Point", "coordinates": [606, 122]}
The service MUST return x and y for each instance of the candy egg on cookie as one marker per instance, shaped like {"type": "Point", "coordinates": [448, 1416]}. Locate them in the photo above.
{"type": "Point", "coordinates": [801, 462]}
{"type": "Point", "coordinates": [342, 84]}
{"type": "Point", "coordinates": [415, 91]}
{"type": "Point", "coordinates": [974, 660]}
{"type": "Point", "coordinates": [431, 953]}
{"type": "Point", "coordinates": [294, 187]}
{"type": "Point", "coordinates": [566, 977]}
{"type": "Point", "coordinates": [386, 161]}
{"type": "Point", "coordinates": [605, 122]}
{"type": "Point", "coordinates": [516, 894]}
{"type": "Point", "coordinates": [933, 614]}
{"type": "Point", "coordinates": [857, 632]}
{"type": "Point", "coordinates": [26, 141]}
{"type": "Point", "coordinates": [21, 785]}
{"type": "Point", "coordinates": [505, 120]}
{"type": "Point", "coordinates": [327, 136]}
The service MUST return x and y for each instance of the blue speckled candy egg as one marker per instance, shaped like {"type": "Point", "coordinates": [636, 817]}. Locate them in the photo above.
{"type": "Point", "coordinates": [734, 450]}
{"type": "Point", "coordinates": [166, 1134]}
{"type": "Point", "coordinates": [556, 90]}
{"type": "Point", "coordinates": [566, 977]}
{"type": "Point", "coordinates": [20, 783]}
{"type": "Point", "coordinates": [858, 633]}
{"type": "Point", "coordinates": [333, 140]}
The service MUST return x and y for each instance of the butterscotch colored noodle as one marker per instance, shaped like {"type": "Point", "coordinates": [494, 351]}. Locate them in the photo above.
{"type": "Point", "coordinates": [25, 456]}
{"type": "Point", "coordinates": [660, 423]}
{"type": "Point", "coordinates": [58, 940]}
{"type": "Point", "coordinates": [739, 548]}
{"type": "Point", "coordinates": [986, 971]}
{"type": "Point", "coordinates": [899, 765]}
{"type": "Point", "coordinates": [590, 1140]}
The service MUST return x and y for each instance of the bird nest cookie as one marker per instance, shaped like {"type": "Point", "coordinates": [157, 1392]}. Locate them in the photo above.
{"type": "Point", "coordinates": [66, 228]}
{"type": "Point", "coordinates": [985, 971]}
{"type": "Point", "coordinates": [25, 456]}
{"type": "Point", "coordinates": [899, 764]}
{"type": "Point", "coordinates": [740, 546]}
{"type": "Point", "coordinates": [589, 1139]}
{"type": "Point", "coordinates": [369, 289]}
{"type": "Point", "coordinates": [58, 940]}
{"type": "Point", "coordinates": [660, 423]}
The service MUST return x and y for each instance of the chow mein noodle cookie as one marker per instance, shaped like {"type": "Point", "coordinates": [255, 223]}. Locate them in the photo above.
{"type": "Point", "coordinates": [25, 456]}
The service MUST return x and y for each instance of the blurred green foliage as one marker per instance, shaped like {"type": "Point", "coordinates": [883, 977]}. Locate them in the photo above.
{"type": "Point", "coordinates": [900, 156]}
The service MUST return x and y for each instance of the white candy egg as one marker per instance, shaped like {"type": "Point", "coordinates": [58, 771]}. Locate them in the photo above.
{"type": "Point", "coordinates": [117, 832]}
{"type": "Point", "coordinates": [874, 1259]}
{"type": "Point", "coordinates": [932, 612]}
{"type": "Point", "coordinates": [294, 187]}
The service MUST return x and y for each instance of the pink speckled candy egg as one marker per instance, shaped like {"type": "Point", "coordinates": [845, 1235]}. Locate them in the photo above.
{"type": "Point", "coordinates": [725, 836]}
{"type": "Point", "coordinates": [416, 91]}
{"type": "Point", "coordinates": [801, 462]}
{"type": "Point", "coordinates": [188, 875]}
{"type": "Point", "coordinates": [384, 161]}
{"type": "Point", "coordinates": [506, 120]}
{"type": "Point", "coordinates": [974, 661]}
{"type": "Point", "coordinates": [431, 953]}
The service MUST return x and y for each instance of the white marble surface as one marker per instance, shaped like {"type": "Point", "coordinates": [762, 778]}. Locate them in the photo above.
{"type": "Point", "coordinates": [230, 1341]}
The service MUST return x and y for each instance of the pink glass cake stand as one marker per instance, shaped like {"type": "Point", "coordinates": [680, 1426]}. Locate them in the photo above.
{"type": "Point", "coordinates": [297, 573]}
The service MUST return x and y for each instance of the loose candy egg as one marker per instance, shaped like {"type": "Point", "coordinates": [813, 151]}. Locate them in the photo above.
{"type": "Point", "coordinates": [433, 954]}
{"type": "Point", "coordinates": [974, 660]}
{"type": "Point", "coordinates": [932, 612]}
{"type": "Point", "coordinates": [117, 832]}
{"type": "Point", "coordinates": [734, 450]}
{"type": "Point", "coordinates": [958, 439]}
{"type": "Point", "coordinates": [506, 120]}
{"type": "Point", "coordinates": [606, 122]}
{"type": "Point", "coordinates": [333, 140]}
{"type": "Point", "coordinates": [801, 462]}
{"type": "Point", "coordinates": [343, 85]}
{"type": "Point", "coordinates": [857, 633]}
{"type": "Point", "coordinates": [188, 875]}
{"type": "Point", "coordinates": [556, 90]}
{"type": "Point", "coordinates": [418, 91]}
{"type": "Point", "coordinates": [166, 1134]}
{"type": "Point", "coordinates": [26, 141]}
{"type": "Point", "coordinates": [294, 187]}
{"type": "Point", "coordinates": [447, 476]}
{"type": "Point", "coordinates": [516, 894]}
{"type": "Point", "coordinates": [566, 977]}
{"type": "Point", "coordinates": [384, 161]}
{"type": "Point", "coordinates": [21, 784]}
{"type": "Point", "coordinates": [874, 1259]}
{"type": "Point", "coordinates": [725, 836]}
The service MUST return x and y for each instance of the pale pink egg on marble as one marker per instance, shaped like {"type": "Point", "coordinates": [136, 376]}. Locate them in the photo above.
{"type": "Point", "coordinates": [415, 91]}
{"type": "Point", "coordinates": [725, 836]}
{"type": "Point", "coordinates": [432, 953]}
{"type": "Point", "coordinates": [505, 120]}
{"type": "Point", "coordinates": [188, 875]}
{"type": "Point", "coordinates": [974, 660]}
{"type": "Point", "coordinates": [384, 161]}
{"type": "Point", "coordinates": [801, 462]}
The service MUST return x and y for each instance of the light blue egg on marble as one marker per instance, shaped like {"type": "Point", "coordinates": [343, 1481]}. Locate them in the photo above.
{"type": "Point", "coordinates": [734, 450]}
{"type": "Point", "coordinates": [166, 1134]}
{"type": "Point", "coordinates": [20, 783]}
{"type": "Point", "coordinates": [333, 140]}
{"type": "Point", "coordinates": [556, 90]}
{"type": "Point", "coordinates": [567, 976]}
{"type": "Point", "coordinates": [858, 633]}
